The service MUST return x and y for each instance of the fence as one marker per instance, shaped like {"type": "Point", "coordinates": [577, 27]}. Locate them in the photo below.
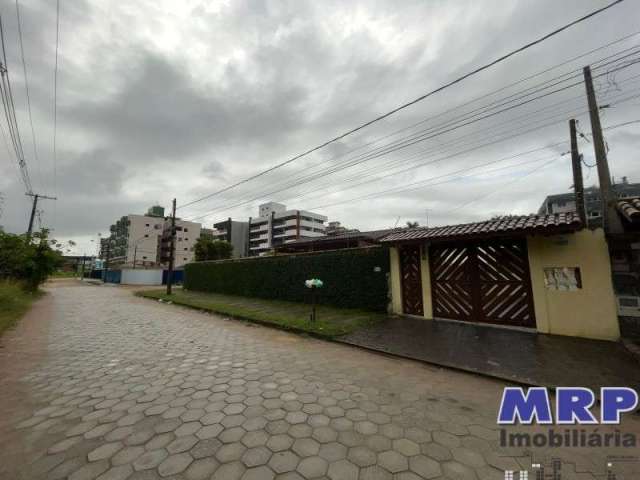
{"type": "Point", "coordinates": [353, 278]}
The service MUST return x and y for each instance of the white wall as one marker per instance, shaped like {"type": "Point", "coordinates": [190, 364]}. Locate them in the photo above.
{"type": "Point", "coordinates": [140, 276]}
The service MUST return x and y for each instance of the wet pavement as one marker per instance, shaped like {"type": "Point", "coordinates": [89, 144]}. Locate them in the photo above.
{"type": "Point", "coordinates": [524, 357]}
{"type": "Point", "coordinates": [96, 383]}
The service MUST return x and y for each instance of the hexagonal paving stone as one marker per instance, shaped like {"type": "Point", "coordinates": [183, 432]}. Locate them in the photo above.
{"type": "Point", "coordinates": [201, 469]}
{"type": "Point", "coordinates": [150, 459]}
{"type": "Point", "coordinates": [117, 473]}
{"type": "Point", "coordinates": [255, 438]}
{"type": "Point", "coordinates": [259, 473]}
{"type": "Point", "coordinates": [277, 443]}
{"type": "Point", "coordinates": [342, 470]}
{"type": "Point", "coordinates": [333, 451]}
{"type": "Point", "coordinates": [160, 441]}
{"type": "Point", "coordinates": [282, 462]}
{"type": "Point", "coordinates": [64, 445]}
{"type": "Point", "coordinates": [301, 430]}
{"type": "Point", "coordinates": [406, 447]}
{"type": "Point", "coordinates": [206, 448]}
{"type": "Point", "coordinates": [210, 431]}
{"type": "Point", "coordinates": [375, 472]}
{"type": "Point", "coordinates": [90, 470]}
{"type": "Point", "coordinates": [230, 471]}
{"type": "Point", "coordinates": [362, 456]}
{"type": "Point", "coordinates": [174, 464]}
{"type": "Point", "coordinates": [324, 434]}
{"type": "Point", "coordinates": [230, 452]}
{"type": "Point", "coordinates": [139, 437]}
{"type": "Point", "coordinates": [457, 471]}
{"type": "Point", "coordinates": [296, 417]}
{"type": "Point", "coordinates": [468, 457]}
{"type": "Point", "coordinates": [256, 456]}
{"type": "Point", "coordinates": [187, 429]}
{"type": "Point", "coordinates": [393, 461]}
{"type": "Point", "coordinates": [182, 444]}
{"type": "Point", "coordinates": [424, 466]}
{"type": "Point", "coordinates": [312, 467]}
{"type": "Point", "coordinates": [306, 447]}
{"type": "Point", "coordinates": [105, 451]}
{"type": "Point", "coordinates": [211, 418]}
{"type": "Point", "coordinates": [127, 455]}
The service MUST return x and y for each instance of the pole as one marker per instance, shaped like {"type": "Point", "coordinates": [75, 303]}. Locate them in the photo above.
{"type": "Point", "coordinates": [106, 263]}
{"type": "Point", "coordinates": [33, 214]}
{"type": "Point", "coordinates": [172, 244]}
{"type": "Point", "coordinates": [35, 196]}
{"type": "Point", "coordinates": [610, 220]}
{"type": "Point", "coordinates": [82, 270]}
{"type": "Point", "coordinates": [576, 164]}
{"type": "Point", "coordinates": [135, 253]}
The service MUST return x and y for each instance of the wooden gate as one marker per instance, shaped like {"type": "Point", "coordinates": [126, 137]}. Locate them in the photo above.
{"type": "Point", "coordinates": [482, 282]}
{"type": "Point", "coordinates": [411, 280]}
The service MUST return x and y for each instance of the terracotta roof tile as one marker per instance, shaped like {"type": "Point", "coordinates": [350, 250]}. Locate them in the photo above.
{"type": "Point", "coordinates": [517, 225]}
{"type": "Point", "coordinates": [630, 208]}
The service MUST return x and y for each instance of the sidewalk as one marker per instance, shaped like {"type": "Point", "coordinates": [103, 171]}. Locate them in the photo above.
{"type": "Point", "coordinates": [522, 357]}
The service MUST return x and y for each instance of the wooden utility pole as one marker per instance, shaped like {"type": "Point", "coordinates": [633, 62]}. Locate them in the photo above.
{"type": "Point", "coordinates": [135, 254]}
{"type": "Point", "coordinates": [610, 219]}
{"type": "Point", "coordinates": [172, 247]}
{"type": "Point", "coordinates": [576, 163]}
{"type": "Point", "coordinates": [35, 196]}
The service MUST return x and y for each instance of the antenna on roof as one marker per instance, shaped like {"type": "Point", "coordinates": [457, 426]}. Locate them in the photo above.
{"type": "Point", "coordinates": [397, 220]}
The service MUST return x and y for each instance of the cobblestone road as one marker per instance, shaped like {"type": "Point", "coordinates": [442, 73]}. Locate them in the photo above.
{"type": "Point", "coordinates": [115, 387]}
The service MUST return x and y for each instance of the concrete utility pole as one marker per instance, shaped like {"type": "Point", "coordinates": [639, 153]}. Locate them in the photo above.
{"type": "Point", "coordinates": [576, 163]}
{"type": "Point", "coordinates": [173, 245]}
{"type": "Point", "coordinates": [106, 263]}
{"type": "Point", "coordinates": [610, 220]}
{"type": "Point", "coordinates": [35, 196]}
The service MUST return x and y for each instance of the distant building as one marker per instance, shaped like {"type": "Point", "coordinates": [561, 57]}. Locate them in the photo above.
{"type": "Point", "coordinates": [234, 232]}
{"type": "Point", "coordinates": [353, 239]}
{"type": "Point", "coordinates": [187, 234]}
{"type": "Point", "coordinates": [137, 240]}
{"type": "Point", "coordinates": [336, 228]}
{"type": "Point", "coordinates": [277, 225]}
{"type": "Point", "coordinates": [565, 202]}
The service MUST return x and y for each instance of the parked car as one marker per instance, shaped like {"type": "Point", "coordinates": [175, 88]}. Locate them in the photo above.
{"type": "Point", "coordinates": [627, 290]}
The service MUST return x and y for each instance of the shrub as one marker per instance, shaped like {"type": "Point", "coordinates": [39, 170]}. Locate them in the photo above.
{"type": "Point", "coordinates": [353, 278]}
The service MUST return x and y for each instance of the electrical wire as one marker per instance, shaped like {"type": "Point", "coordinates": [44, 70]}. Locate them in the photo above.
{"type": "Point", "coordinates": [412, 102]}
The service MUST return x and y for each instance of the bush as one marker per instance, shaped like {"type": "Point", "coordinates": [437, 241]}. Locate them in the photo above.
{"type": "Point", "coordinates": [354, 278]}
{"type": "Point", "coordinates": [209, 249]}
{"type": "Point", "coordinates": [14, 302]}
{"type": "Point", "coordinates": [30, 261]}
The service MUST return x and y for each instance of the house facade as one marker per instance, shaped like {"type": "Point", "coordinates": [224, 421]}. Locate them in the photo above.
{"type": "Point", "coordinates": [234, 232]}
{"type": "Point", "coordinates": [543, 273]}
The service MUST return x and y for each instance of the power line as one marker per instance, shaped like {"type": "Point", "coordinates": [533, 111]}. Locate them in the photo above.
{"type": "Point", "coordinates": [412, 102]}
{"type": "Point", "coordinates": [459, 122]}
{"type": "Point", "coordinates": [26, 87]}
{"type": "Point", "coordinates": [55, 110]}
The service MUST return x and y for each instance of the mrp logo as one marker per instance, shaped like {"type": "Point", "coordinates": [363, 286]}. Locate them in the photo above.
{"type": "Point", "coordinates": [572, 406]}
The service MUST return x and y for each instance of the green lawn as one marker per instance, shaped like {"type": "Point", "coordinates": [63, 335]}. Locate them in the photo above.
{"type": "Point", "coordinates": [330, 321]}
{"type": "Point", "coordinates": [14, 303]}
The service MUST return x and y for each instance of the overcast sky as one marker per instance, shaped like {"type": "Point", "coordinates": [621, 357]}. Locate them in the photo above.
{"type": "Point", "coordinates": [160, 99]}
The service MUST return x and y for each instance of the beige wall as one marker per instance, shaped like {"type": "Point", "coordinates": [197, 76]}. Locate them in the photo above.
{"type": "Point", "coordinates": [396, 286]}
{"type": "Point", "coordinates": [394, 274]}
{"type": "Point", "coordinates": [588, 312]}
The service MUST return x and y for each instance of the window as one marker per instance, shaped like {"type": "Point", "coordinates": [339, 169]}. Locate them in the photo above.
{"type": "Point", "coordinates": [185, 258]}
{"type": "Point", "coordinates": [186, 249]}
{"type": "Point", "coordinates": [146, 224]}
{"type": "Point", "coordinates": [186, 239]}
{"type": "Point", "coordinates": [146, 235]}
{"type": "Point", "coordinates": [186, 229]}
{"type": "Point", "coordinates": [144, 258]}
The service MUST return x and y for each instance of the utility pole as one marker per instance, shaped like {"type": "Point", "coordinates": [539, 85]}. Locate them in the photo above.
{"type": "Point", "coordinates": [82, 270]}
{"type": "Point", "coordinates": [106, 263]}
{"type": "Point", "coordinates": [135, 254]}
{"type": "Point", "coordinates": [35, 196]}
{"type": "Point", "coordinates": [576, 164]}
{"type": "Point", "coordinates": [172, 246]}
{"type": "Point", "coordinates": [610, 220]}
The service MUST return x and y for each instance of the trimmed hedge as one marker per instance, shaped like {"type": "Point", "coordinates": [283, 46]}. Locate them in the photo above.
{"type": "Point", "coordinates": [353, 278]}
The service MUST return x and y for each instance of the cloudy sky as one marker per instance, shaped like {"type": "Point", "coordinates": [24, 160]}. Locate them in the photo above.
{"type": "Point", "coordinates": [160, 99]}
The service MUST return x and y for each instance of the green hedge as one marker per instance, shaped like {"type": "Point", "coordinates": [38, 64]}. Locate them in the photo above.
{"type": "Point", "coordinates": [354, 278]}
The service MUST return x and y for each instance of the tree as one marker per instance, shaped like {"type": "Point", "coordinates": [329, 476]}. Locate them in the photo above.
{"type": "Point", "coordinates": [28, 260]}
{"type": "Point", "coordinates": [413, 224]}
{"type": "Point", "coordinates": [209, 249]}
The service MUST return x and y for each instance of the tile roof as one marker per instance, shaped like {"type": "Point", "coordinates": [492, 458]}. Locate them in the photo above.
{"type": "Point", "coordinates": [630, 208]}
{"type": "Point", "coordinates": [524, 224]}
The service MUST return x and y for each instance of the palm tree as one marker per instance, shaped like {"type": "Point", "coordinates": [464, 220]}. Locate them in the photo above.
{"type": "Point", "coordinates": [412, 224]}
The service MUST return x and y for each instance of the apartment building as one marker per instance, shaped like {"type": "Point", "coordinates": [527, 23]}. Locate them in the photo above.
{"type": "Point", "coordinates": [277, 225]}
{"type": "Point", "coordinates": [234, 232]}
{"type": "Point", "coordinates": [137, 240]}
{"type": "Point", "coordinates": [187, 234]}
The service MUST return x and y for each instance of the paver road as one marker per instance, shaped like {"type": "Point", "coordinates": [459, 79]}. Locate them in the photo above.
{"type": "Point", "coordinates": [99, 384]}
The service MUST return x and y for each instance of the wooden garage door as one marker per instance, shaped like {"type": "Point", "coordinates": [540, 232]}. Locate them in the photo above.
{"type": "Point", "coordinates": [411, 280]}
{"type": "Point", "coordinates": [482, 282]}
